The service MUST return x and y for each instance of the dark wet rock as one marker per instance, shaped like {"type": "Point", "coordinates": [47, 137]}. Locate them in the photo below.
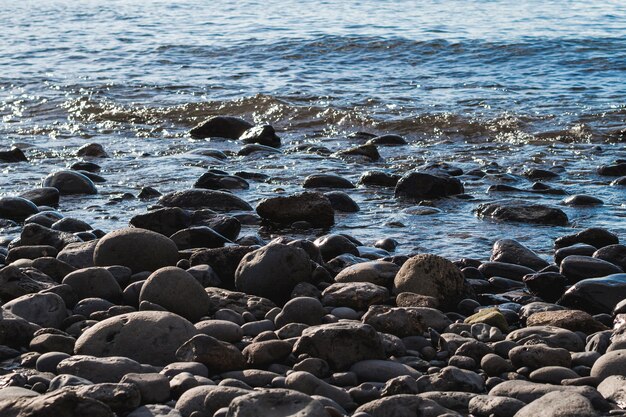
{"type": "Point", "coordinates": [596, 295]}
{"type": "Point", "coordinates": [280, 402]}
{"type": "Point", "coordinates": [549, 286]}
{"type": "Point", "coordinates": [253, 148]}
{"type": "Point", "coordinates": [403, 405]}
{"type": "Point", "coordinates": [16, 208]}
{"type": "Point", "coordinates": [581, 249]}
{"type": "Point", "coordinates": [224, 261]}
{"type": "Point", "coordinates": [148, 193]}
{"type": "Point", "coordinates": [341, 201]}
{"type": "Point", "coordinates": [94, 150]}
{"type": "Point", "coordinates": [615, 254]}
{"type": "Point", "coordinates": [262, 134]}
{"type": "Point", "coordinates": [198, 237]}
{"type": "Point", "coordinates": [85, 166]}
{"type": "Point", "coordinates": [66, 403]}
{"type": "Point", "coordinates": [379, 178]}
{"type": "Point", "coordinates": [96, 178]}
{"type": "Point", "coordinates": [621, 181]}
{"type": "Point", "coordinates": [34, 234]}
{"type": "Point", "coordinates": [78, 254]}
{"type": "Point", "coordinates": [30, 252]}
{"type": "Point", "coordinates": [218, 356]}
{"type": "Point", "coordinates": [44, 218]}
{"type": "Point", "coordinates": [217, 181]}
{"type": "Point", "coordinates": [517, 211]}
{"type": "Point", "coordinates": [70, 182]}
{"type": "Point", "coordinates": [225, 225]}
{"type": "Point", "coordinates": [197, 199]}
{"type": "Point", "coordinates": [333, 245]}
{"type": "Point", "coordinates": [71, 225]}
{"type": "Point", "coordinates": [356, 295]}
{"type": "Point", "coordinates": [146, 336]}
{"type": "Point", "coordinates": [492, 405]}
{"type": "Point", "coordinates": [138, 249]}
{"type": "Point", "coordinates": [609, 364]}
{"type": "Point", "coordinates": [273, 271]}
{"type": "Point", "coordinates": [44, 196]}
{"type": "Point", "coordinates": [433, 276]}
{"type": "Point", "coordinates": [15, 283]}
{"type": "Point", "coordinates": [312, 207]}
{"type": "Point", "coordinates": [421, 186]}
{"type": "Point", "coordinates": [177, 291]}
{"type": "Point", "coordinates": [576, 268]}
{"type": "Point", "coordinates": [370, 152]}
{"type": "Point", "coordinates": [98, 370]}
{"type": "Point", "coordinates": [341, 344]}
{"type": "Point", "coordinates": [405, 321]}
{"type": "Point", "coordinates": [556, 403]}
{"type": "Point", "coordinates": [389, 140]}
{"type": "Point", "coordinates": [326, 181]}
{"type": "Point", "coordinates": [512, 252]}
{"type": "Point", "coordinates": [94, 282]}
{"type": "Point", "coordinates": [504, 270]}
{"type": "Point", "coordinates": [220, 126]}
{"type": "Point", "coordinates": [616, 170]}
{"type": "Point", "coordinates": [12, 156]}
{"type": "Point", "coordinates": [540, 174]}
{"type": "Point", "coordinates": [553, 337]}
{"type": "Point", "coordinates": [582, 200]}
{"type": "Point", "coordinates": [595, 236]}
{"type": "Point", "coordinates": [166, 221]}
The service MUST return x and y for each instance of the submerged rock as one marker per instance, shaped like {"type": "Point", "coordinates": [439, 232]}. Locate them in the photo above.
{"type": "Point", "coordinates": [523, 213]}
{"type": "Point", "coordinates": [220, 126]}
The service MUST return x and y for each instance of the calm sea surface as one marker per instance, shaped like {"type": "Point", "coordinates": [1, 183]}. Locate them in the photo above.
{"type": "Point", "coordinates": [518, 83]}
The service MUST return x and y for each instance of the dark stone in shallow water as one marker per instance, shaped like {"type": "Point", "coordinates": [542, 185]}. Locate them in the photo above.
{"type": "Point", "coordinates": [595, 236]}
{"type": "Point", "coordinates": [263, 135]}
{"type": "Point", "coordinates": [44, 196]}
{"type": "Point", "coordinates": [166, 221]}
{"type": "Point", "coordinates": [255, 147]}
{"type": "Point", "coordinates": [70, 182]}
{"type": "Point", "coordinates": [380, 178]}
{"type": "Point", "coordinates": [342, 202]}
{"type": "Point", "coordinates": [619, 181]}
{"type": "Point", "coordinates": [582, 200]}
{"type": "Point", "coordinates": [224, 261]}
{"type": "Point", "coordinates": [198, 237]}
{"type": "Point", "coordinates": [16, 208]}
{"type": "Point", "coordinates": [616, 170]}
{"type": "Point", "coordinates": [147, 193]}
{"type": "Point", "coordinates": [550, 286]}
{"type": "Point", "coordinates": [220, 126]}
{"type": "Point", "coordinates": [368, 151]}
{"type": "Point", "coordinates": [419, 185]}
{"type": "Point", "coordinates": [387, 140]}
{"type": "Point", "coordinates": [14, 155]}
{"type": "Point", "coordinates": [197, 199]}
{"type": "Point", "coordinates": [616, 254]}
{"type": "Point", "coordinates": [34, 234]}
{"type": "Point", "coordinates": [538, 174]}
{"type": "Point", "coordinates": [522, 212]}
{"type": "Point", "coordinates": [216, 181]}
{"type": "Point", "coordinates": [326, 181]}
{"type": "Point", "coordinates": [596, 295]}
{"type": "Point", "coordinates": [314, 208]}
{"type": "Point", "coordinates": [85, 166]}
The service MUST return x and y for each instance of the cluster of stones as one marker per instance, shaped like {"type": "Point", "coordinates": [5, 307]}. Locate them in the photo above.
{"type": "Point", "coordinates": [178, 315]}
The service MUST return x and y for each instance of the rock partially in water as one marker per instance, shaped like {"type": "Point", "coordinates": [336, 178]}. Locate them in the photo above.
{"type": "Point", "coordinates": [379, 178]}
{"type": "Point", "coordinates": [13, 155]}
{"type": "Point", "coordinates": [517, 211]}
{"type": "Point", "coordinates": [389, 140]}
{"type": "Point", "coordinates": [220, 126]}
{"type": "Point", "coordinates": [576, 268]}
{"type": "Point", "coordinates": [368, 152]}
{"type": "Point", "coordinates": [70, 182]}
{"type": "Point", "coordinates": [582, 200]}
{"type": "Point", "coordinates": [615, 254]}
{"type": "Point", "coordinates": [94, 150]}
{"type": "Point", "coordinates": [311, 207]}
{"type": "Point", "coordinates": [616, 170]}
{"type": "Point", "coordinates": [166, 221]}
{"type": "Point", "coordinates": [43, 196]}
{"type": "Point", "coordinates": [221, 181]}
{"type": "Point", "coordinates": [513, 252]}
{"type": "Point", "coordinates": [595, 236]}
{"type": "Point", "coordinates": [341, 201]}
{"type": "Point", "coordinates": [198, 237]}
{"type": "Point", "coordinates": [326, 181]}
{"type": "Point", "coordinates": [422, 186]}
{"type": "Point", "coordinates": [199, 199]}
{"type": "Point", "coordinates": [16, 208]}
{"type": "Point", "coordinates": [262, 134]}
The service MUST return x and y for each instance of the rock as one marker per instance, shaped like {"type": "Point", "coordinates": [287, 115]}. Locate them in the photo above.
{"type": "Point", "coordinates": [555, 403]}
{"type": "Point", "coordinates": [43, 196]}
{"type": "Point", "coordinates": [177, 291]}
{"type": "Point", "coordinates": [422, 186]}
{"type": "Point", "coordinates": [251, 377]}
{"type": "Point", "coordinates": [582, 200]}
{"type": "Point", "coordinates": [278, 402]}
{"type": "Point", "coordinates": [94, 282]}
{"type": "Point", "coordinates": [154, 410]}
{"type": "Point", "coordinates": [311, 207]}
{"type": "Point", "coordinates": [16, 208]}
{"type": "Point", "coordinates": [221, 201]}
{"type": "Point", "coordinates": [225, 225]}
{"type": "Point", "coordinates": [308, 384]}
{"type": "Point", "coordinates": [273, 271]}
{"type": "Point", "coordinates": [138, 249]}
{"type": "Point", "coordinates": [504, 270]}
{"type": "Point", "coordinates": [146, 336]}
{"type": "Point", "coordinates": [326, 181]}
{"type": "Point", "coordinates": [609, 364]}
{"type": "Point", "coordinates": [574, 320]}
{"type": "Point", "coordinates": [379, 178]}
{"type": "Point", "coordinates": [491, 405]}
{"type": "Point", "coordinates": [390, 140]}
{"type": "Point", "coordinates": [223, 330]}
{"type": "Point", "coordinates": [403, 405]}
{"type": "Point", "coordinates": [539, 356]}
{"type": "Point", "coordinates": [356, 295]}
{"type": "Point", "coordinates": [596, 295]}
{"type": "Point", "coordinates": [495, 365]}
{"type": "Point", "coordinates": [221, 181]}
{"type": "Point", "coordinates": [252, 148]}
{"type": "Point", "coordinates": [220, 126]}
{"type": "Point", "coordinates": [12, 156]}
{"type": "Point", "coordinates": [376, 370]}
{"type": "Point", "coordinates": [528, 392]}
{"type": "Point", "coordinates": [70, 182]}
{"type": "Point", "coordinates": [375, 272]}
{"type": "Point", "coordinates": [238, 302]}
{"type": "Point", "coordinates": [78, 255]}
{"type": "Point", "coordinates": [551, 336]}
{"type": "Point", "coordinates": [615, 254]}
{"type": "Point", "coordinates": [68, 224]}
{"type": "Point", "coordinates": [621, 181]}
{"type": "Point", "coordinates": [576, 268]}
{"type": "Point", "coordinates": [405, 321]}
{"type": "Point", "coordinates": [120, 397]}
{"type": "Point", "coordinates": [518, 211]}
{"type": "Point", "coordinates": [198, 237]}
{"type": "Point", "coordinates": [616, 170]}
{"type": "Point", "coordinates": [512, 252]}
{"type": "Point", "coordinates": [368, 152]}
{"type": "Point", "coordinates": [97, 370]}
{"type": "Point", "coordinates": [15, 332]}
{"type": "Point", "coordinates": [613, 388]}
{"type": "Point", "coordinates": [34, 234]}
{"type": "Point", "coordinates": [45, 310]}
{"type": "Point", "coordinates": [66, 403]}
{"type": "Point", "coordinates": [431, 275]}
{"type": "Point", "coordinates": [595, 236]}
{"type": "Point", "coordinates": [218, 356]}
{"type": "Point", "coordinates": [263, 135]}
{"type": "Point", "coordinates": [552, 374]}
{"type": "Point", "coordinates": [264, 353]}
{"type": "Point", "coordinates": [409, 299]}
{"type": "Point", "coordinates": [307, 310]}
{"type": "Point", "coordinates": [224, 261]}
{"type": "Point", "coordinates": [15, 283]}
{"type": "Point", "coordinates": [166, 221]}
{"type": "Point", "coordinates": [549, 286]}
{"type": "Point", "coordinates": [333, 245]}
{"type": "Point", "coordinates": [94, 150]}
{"type": "Point", "coordinates": [154, 387]}
{"type": "Point", "coordinates": [341, 201]}
{"type": "Point", "coordinates": [490, 316]}
{"type": "Point", "coordinates": [341, 344]}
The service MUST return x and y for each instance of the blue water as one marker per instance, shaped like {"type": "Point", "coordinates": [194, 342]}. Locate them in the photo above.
{"type": "Point", "coordinates": [533, 83]}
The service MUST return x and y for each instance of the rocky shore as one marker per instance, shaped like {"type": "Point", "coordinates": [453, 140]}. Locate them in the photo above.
{"type": "Point", "coordinates": [180, 314]}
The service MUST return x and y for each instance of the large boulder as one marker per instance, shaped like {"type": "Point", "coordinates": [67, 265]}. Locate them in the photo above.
{"type": "Point", "coordinates": [138, 249]}
{"type": "Point", "coordinates": [146, 336]}
{"type": "Point", "coordinates": [177, 291]}
{"type": "Point", "coordinates": [558, 404]}
{"type": "Point", "coordinates": [433, 276]}
{"type": "Point", "coordinates": [311, 207]}
{"type": "Point", "coordinates": [273, 271]}
{"type": "Point", "coordinates": [94, 282]}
